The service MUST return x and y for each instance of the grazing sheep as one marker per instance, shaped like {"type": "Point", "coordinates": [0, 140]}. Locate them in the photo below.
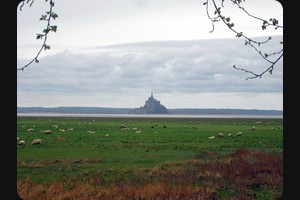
{"type": "Point", "coordinates": [36, 141]}
{"type": "Point", "coordinates": [47, 131]}
{"type": "Point", "coordinates": [211, 137]}
{"type": "Point", "coordinates": [239, 133]}
{"type": "Point", "coordinates": [29, 130]}
{"type": "Point", "coordinates": [220, 134]}
{"type": "Point", "coordinates": [123, 127]}
{"type": "Point", "coordinates": [135, 128]}
{"type": "Point", "coordinates": [90, 131]}
{"type": "Point", "coordinates": [195, 127]}
{"type": "Point", "coordinates": [138, 132]}
{"type": "Point", "coordinates": [165, 126]}
{"type": "Point", "coordinates": [253, 128]}
{"type": "Point", "coordinates": [18, 138]}
{"type": "Point", "coordinates": [258, 122]}
{"type": "Point", "coordinates": [229, 135]}
{"type": "Point", "coordinates": [70, 129]}
{"type": "Point", "coordinates": [106, 135]}
{"type": "Point", "coordinates": [22, 142]}
{"type": "Point", "coordinates": [62, 130]}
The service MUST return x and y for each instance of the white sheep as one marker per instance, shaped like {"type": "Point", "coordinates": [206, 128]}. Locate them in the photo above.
{"type": "Point", "coordinates": [47, 131]}
{"type": "Point", "coordinates": [138, 132]}
{"type": "Point", "coordinates": [229, 135]}
{"type": "Point", "coordinates": [90, 131]}
{"type": "Point", "coordinates": [211, 137]}
{"type": "Point", "coordinates": [239, 133]}
{"type": "Point", "coordinates": [22, 142]}
{"type": "Point", "coordinates": [253, 128]}
{"type": "Point", "coordinates": [36, 141]}
{"type": "Point", "coordinates": [220, 134]}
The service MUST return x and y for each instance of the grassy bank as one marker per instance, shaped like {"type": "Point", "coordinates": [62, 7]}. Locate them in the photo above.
{"type": "Point", "coordinates": [107, 154]}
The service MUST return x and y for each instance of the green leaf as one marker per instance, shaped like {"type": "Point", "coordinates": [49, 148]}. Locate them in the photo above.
{"type": "Point", "coordinates": [46, 47]}
{"type": "Point", "coordinates": [46, 30]}
{"type": "Point", "coordinates": [36, 60]}
{"type": "Point", "coordinates": [275, 22]}
{"type": "Point", "coordinates": [53, 28]}
{"type": "Point", "coordinates": [43, 17]}
{"type": "Point", "coordinates": [228, 19]}
{"type": "Point", "coordinates": [39, 36]}
{"type": "Point", "coordinates": [263, 27]}
{"type": "Point", "coordinates": [54, 15]}
{"type": "Point", "coordinates": [230, 25]}
{"type": "Point", "coordinates": [239, 34]}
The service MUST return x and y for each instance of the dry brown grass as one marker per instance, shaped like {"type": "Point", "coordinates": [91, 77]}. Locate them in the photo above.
{"type": "Point", "coordinates": [242, 174]}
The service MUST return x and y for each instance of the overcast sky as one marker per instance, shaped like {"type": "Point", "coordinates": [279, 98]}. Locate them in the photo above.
{"type": "Point", "coordinates": [113, 53]}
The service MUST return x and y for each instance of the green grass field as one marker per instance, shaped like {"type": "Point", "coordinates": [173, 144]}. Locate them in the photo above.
{"type": "Point", "coordinates": [112, 147]}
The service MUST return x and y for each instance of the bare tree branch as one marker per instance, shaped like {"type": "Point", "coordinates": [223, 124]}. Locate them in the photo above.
{"type": "Point", "coordinates": [49, 15]}
{"type": "Point", "coordinates": [248, 41]}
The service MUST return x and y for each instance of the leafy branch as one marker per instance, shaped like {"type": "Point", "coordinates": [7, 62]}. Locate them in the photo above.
{"type": "Point", "coordinates": [272, 22]}
{"type": "Point", "coordinates": [48, 16]}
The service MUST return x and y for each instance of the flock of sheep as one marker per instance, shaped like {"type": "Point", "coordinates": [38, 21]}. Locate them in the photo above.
{"type": "Point", "coordinates": [124, 127]}
{"type": "Point", "coordinates": [220, 135]}
{"type": "Point", "coordinates": [39, 141]}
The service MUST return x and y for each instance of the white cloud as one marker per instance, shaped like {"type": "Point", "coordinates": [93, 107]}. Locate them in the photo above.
{"type": "Point", "coordinates": [177, 67]}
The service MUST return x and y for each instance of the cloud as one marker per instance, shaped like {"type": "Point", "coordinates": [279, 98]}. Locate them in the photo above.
{"type": "Point", "coordinates": [188, 68]}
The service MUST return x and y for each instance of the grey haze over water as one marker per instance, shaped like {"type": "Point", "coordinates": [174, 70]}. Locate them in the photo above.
{"type": "Point", "coordinates": [146, 115]}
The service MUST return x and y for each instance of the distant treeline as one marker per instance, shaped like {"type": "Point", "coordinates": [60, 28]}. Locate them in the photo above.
{"type": "Point", "coordinates": [103, 110]}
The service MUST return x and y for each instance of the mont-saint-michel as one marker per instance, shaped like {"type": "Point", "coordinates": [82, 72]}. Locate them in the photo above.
{"type": "Point", "coordinates": [152, 106]}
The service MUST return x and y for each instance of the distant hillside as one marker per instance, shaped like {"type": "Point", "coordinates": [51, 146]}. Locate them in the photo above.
{"type": "Point", "coordinates": [224, 111]}
{"type": "Point", "coordinates": [74, 110]}
{"type": "Point", "coordinates": [102, 110]}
